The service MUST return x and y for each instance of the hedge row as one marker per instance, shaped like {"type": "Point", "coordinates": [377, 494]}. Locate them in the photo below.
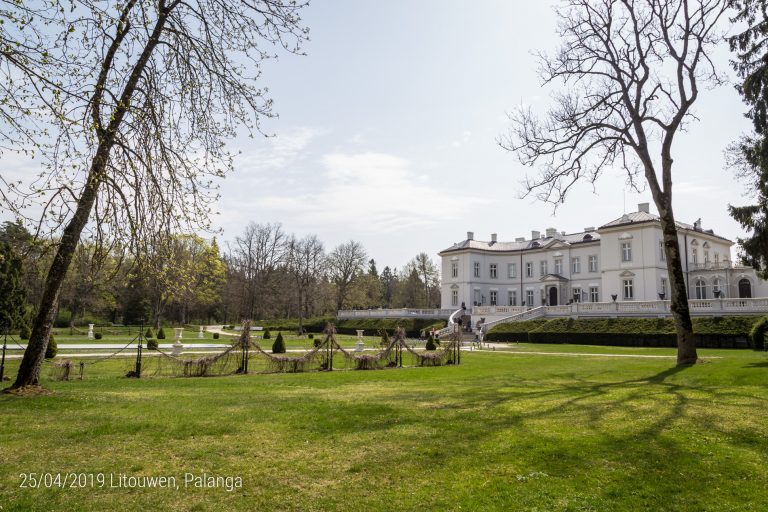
{"type": "Point", "coordinates": [712, 332]}
{"type": "Point", "coordinates": [413, 326]}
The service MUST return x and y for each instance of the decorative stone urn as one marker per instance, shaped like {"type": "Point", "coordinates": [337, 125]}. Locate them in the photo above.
{"type": "Point", "coordinates": [360, 345]}
{"type": "Point", "coordinates": [90, 331]}
{"type": "Point", "coordinates": [200, 334]}
{"type": "Point", "coordinates": [178, 348]}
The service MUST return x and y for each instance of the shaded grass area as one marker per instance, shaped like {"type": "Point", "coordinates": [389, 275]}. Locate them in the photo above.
{"type": "Point", "coordinates": [499, 432]}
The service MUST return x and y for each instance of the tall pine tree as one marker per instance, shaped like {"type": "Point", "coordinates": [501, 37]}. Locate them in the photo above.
{"type": "Point", "coordinates": [750, 153]}
{"type": "Point", "coordinates": [11, 291]}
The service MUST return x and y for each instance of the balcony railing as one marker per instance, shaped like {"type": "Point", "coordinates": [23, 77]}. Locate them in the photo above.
{"type": "Point", "coordinates": [701, 307]}
{"type": "Point", "coordinates": [396, 313]}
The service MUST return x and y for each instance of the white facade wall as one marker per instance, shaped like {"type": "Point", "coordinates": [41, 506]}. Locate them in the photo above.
{"type": "Point", "coordinates": [706, 263]}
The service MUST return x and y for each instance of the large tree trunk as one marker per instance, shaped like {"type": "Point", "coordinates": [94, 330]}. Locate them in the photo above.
{"type": "Point", "coordinates": [29, 370]}
{"type": "Point", "coordinates": [681, 315]}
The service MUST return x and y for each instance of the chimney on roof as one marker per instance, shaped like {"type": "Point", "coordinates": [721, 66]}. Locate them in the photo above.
{"type": "Point", "coordinates": [535, 235]}
{"type": "Point", "coordinates": [697, 225]}
{"type": "Point", "coordinates": [551, 232]}
{"type": "Point", "coordinates": [644, 207]}
{"type": "Point", "coordinates": [589, 229]}
{"type": "Point", "coordinates": [470, 235]}
{"type": "Point", "coordinates": [493, 238]}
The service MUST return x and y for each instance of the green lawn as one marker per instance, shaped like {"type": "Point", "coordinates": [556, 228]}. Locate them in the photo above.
{"type": "Point", "coordinates": [503, 431]}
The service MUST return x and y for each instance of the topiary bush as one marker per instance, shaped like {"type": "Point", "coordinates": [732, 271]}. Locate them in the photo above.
{"type": "Point", "coordinates": [278, 347]}
{"type": "Point", "coordinates": [161, 334]}
{"type": "Point", "coordinates": [149, 334]}
{"type": "Point", "coordinates": [25, 332]}
{"type": "Point", "coordinates": [152, 344]}
{"type": "Point", "coordinates": [215, 335]}
{"type": "Point", "coordinates": [431, 343]}
{"type": "Point", "coordinates": [758, 333]}
{"type": "Point", "coordinates": [311, 336]}
{"type": "Point", "coordinates": [98, 335]}
{"type": "Point", "coordinates": [52, 349]}
{"type": "Point", "coordinates": [266, 335]}
{"type": "Point", "coordinates": [318, 342]}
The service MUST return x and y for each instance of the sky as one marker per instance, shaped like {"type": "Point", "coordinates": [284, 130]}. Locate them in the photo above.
{"type": "Point", "coordinates": [387, 134]}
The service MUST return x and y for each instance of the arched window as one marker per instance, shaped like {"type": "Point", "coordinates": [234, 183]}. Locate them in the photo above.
{"type": "Point", "coordinates": [701, 289]}
{"type": "Point", "coordinates": [716, 289]}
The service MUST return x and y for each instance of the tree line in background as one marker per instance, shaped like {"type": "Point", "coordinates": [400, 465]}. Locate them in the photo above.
{"type": "Point", "coordinates": [265, 273]}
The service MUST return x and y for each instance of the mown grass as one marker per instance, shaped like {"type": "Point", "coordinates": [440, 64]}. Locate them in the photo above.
{"type": "Point", "coordinates": [500, 432]}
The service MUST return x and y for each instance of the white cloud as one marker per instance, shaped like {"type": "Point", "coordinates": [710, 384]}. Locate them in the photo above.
{"type": "Point", "coordinates": [368, 193]}
{"type": "Point", "coordinates": [463, 140]}
{"type": "Point", "coordinates": [281, 151]}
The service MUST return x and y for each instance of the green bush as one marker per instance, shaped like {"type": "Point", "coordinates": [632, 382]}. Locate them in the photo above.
{"type": "Point", "coordinates": [25, 332]}
{"type": "Point", "coordinates": [52, 349]}
{"type": "Point", "coordinates": [431, 343]}
{"type": "Point", "coordinates": [278, 347]}
{"type": "Point", "coordinates": [152, 344]}
{"type": "Point", "coordinates": [318, 342]}
{"type": "Point", "coordinates": [161, 334]}
{"type": "Point", "coordinates": [758, 333]}
{"type": "Point", "coordinates": [215, 335]}
{"type": "Point", "coordinates": [266, 335]}
{"type": "Point", "coordinates": [149, 334]}
{"type": "Point", "coordinates": [311, 336]}
{"type": "Point", "coordinates": [98, 335]}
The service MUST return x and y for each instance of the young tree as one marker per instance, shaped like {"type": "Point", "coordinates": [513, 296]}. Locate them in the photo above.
{"type": "Point", "coordinates": [388, 282]}
{"type": "Point", "coordinates": [306, 264]}
{"type": "Point", "coordinates": [147, 91]}
{"type": "Point", "coordinates": [345, 264]}
{"type": "Point", "coordinates": [428, 274]}
{"type": "Point", "coordinates": [633, 70]}
{"type": "Point", "coordinates": [749, 155]}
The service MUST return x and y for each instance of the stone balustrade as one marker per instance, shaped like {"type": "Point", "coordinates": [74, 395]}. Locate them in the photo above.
{"type": "Point", "coordinates": [395, 313]}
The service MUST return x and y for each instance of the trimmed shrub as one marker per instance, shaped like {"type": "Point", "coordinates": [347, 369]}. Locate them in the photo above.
{"type": "Point", "coordinates": [318, 342]}
{"type": "Point", "coordinates": [98, 335]}
{"type": "Point", "coordinates": [431, 343]}
{"type": "Point", "coordinates": [278, 347]}
{"type": "Point", "coordinates": [25, 332]}
{"type": "Point", "coordinates": [266, 335]}
{"type": "Point", "coordinates": [161, 334]}
{"type": "Point", "coordinates": [152, 344]}
{"type": "Point", "coordinates": [758, 333]}
{"type": "Point", "coordinates": [311, 336]}
{"type": "Point", "coordinates": [215, 335]}
{"type": "Point", "coordinates": [149, 334]}
{"type": "Point", "coordinates": [52, 349]}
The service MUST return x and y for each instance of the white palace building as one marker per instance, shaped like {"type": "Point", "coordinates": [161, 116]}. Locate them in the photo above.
{"type": "Point", "coordinates": [620, 266]}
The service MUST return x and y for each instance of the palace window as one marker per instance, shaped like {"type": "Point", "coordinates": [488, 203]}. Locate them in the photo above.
{"type": "Point", "coordinates": [577, 295]}
{"type": "Point", "coordinates": [493, 271]}
{"type": "Point", "coordinates": [662, 254]}
{"type": "Point", "coordinates": [594, 294]}
{"type": "Point", "coordinates": [629, 289]}
{"type": "Point", "coordinates": [717, 258]}
{"type": "Point", "coordinates": [626, 251]}
{"type": "Point", "coordinates": [695, 255]}
{"type": "Point", "coordinates": [494, 294]}
{"type": "Point", "coordinates": [716, 286]}
{"type": "Point", "coordinates": [701, 289]}
{"type": "Point", "coordinates": [543, 268]}
{"type": "Point", "coordinates": [512, 297]}
{"type": "Point", "coordinates": [477, 269]}
{"type": "Point", "coordinates": [529, 269]}
{"type": "Point", "coordinates": [593, 263]}
{"type": "Point", "coordinates": [663, 287]}
{"type": "Point", "coordinates": [454, 297]}
{"type": "Point", "coordinates": [529, 298]}
{"type": "Point", "coordinates": [576, 265]}
{"type": "Point", "coordinates": [706, 257]}
{"type": "Point", "coordinates": [511, 270]}
{"type": "Point", "coordinates": [455, 269]}
{"type": "Point", "coordinates": [558, 266]}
